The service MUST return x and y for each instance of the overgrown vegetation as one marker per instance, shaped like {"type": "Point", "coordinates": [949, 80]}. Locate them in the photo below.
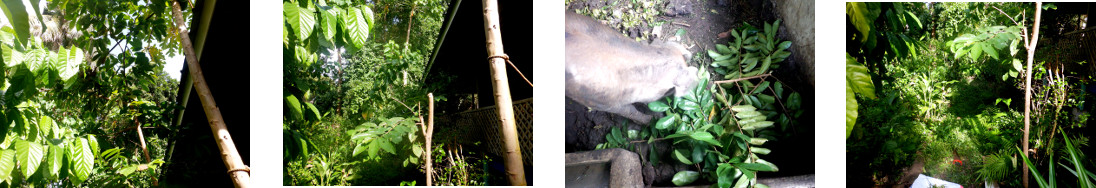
{"type": "Point", "coordinates": [82, 78]}
{"type": "Point", "coordinates": [354, 97]}
{"type": "Point", "coordinates": [945, 97]}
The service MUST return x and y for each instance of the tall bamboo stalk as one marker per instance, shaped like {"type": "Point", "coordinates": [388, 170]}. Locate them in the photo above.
{"type": "Point", "coordinates": [1027, 83]}
{"type": "Point", "coordinates": [508, 127]}
{"type": "Point", "coordinates": [231, 157]}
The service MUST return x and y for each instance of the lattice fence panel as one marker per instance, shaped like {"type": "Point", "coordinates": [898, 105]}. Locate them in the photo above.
{"type": "Point", "coordinates": [482, 125]}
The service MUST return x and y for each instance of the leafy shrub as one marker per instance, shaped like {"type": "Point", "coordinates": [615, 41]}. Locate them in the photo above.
{"type": "Point", "coordinates": [996, 167]}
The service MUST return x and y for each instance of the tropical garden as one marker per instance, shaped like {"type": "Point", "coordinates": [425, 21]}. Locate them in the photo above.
{"type": "Point", "coordinates": [978, 94]}
{"type": "Point", "coordinates": [356, 108]}
{"type": "Point", "coordinates": [86, 100]}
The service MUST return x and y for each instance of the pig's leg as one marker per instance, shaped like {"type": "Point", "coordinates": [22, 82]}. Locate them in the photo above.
{"type": "Point", "coordinates": [629, 111]}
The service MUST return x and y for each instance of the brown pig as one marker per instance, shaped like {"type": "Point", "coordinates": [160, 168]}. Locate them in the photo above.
{"type": "Point", "coordinates": [607, 71]}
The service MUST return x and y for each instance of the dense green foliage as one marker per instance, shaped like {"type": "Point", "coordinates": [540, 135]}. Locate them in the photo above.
{"type": "Point", "coordinates": [949, 104]}
{"type": "Point", "coordinates": [354, 92]}
{"type": "Point", "coordinates": [72, 99]}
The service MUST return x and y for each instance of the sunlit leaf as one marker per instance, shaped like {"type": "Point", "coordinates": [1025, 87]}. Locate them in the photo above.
{"type": "Point", "coordinates": [81, 159]}
{"type": "Point", "coordinates": [29, 155]}
{"type": "Point", "coordinates": [16, 14]}
{"type": "Point", "coordinates": [357, 26]}
{"type": "Point", "coordinates": [683, 178]}
{"type": "Point", "coordinates": [862, 15]}
{"type": "Point", "coordinates": [7, 163]}
{"type": "Point", "coordinates": [45, 125]}
{"type": "Point", "coordinates": [301, 19]}
{"type": "Point", "coordinates": [858, 79]}
{"type": "Point", "coordinates": [54, 160]}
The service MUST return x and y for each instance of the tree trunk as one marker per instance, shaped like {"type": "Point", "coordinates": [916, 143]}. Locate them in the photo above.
{"type": "Point", "coordinates": [512, 159]}
{"type": "Point", "coordinates": [236, 168]}
{"type": "Point", "coordinates": [428, 136]}
{"type": "Point", "coordinates": [1027, 84]}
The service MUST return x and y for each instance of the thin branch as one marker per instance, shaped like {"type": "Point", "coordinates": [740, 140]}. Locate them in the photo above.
{"type": "Point", "coordinates": [740, 79]}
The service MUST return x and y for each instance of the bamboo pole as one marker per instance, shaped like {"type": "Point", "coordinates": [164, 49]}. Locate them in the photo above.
{"type": "Point", "coordinates": [239, 172]}
{"type": "Point", "coordinates": [514, 169]}
{"type": "Point", "coordinates": [1027, 84]}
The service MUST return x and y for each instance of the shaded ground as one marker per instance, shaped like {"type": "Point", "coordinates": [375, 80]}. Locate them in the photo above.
{"type": "Point", "coordinates": [702, 21]}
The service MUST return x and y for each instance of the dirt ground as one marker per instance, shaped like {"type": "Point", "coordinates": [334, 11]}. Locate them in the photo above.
{"type": "Point", "coordinates": [703, 22]}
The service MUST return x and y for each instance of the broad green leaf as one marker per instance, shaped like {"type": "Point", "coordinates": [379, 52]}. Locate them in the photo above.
{"type": "Point", "coordinates": [387, 146]}
{"type": "Point", "coordinates": [666, 121]}
{"type": "Point", "coordinates": [862, 16]}
{"type": "Point", "coordinates": [302, 143]}
{"type": "Point", "coordinates": [71, 65]}
{"type": "Point", "coordinates": [127, 170]}
{"type": "Point", "coordinates": [758, 141]}
{"type": "Point", "coordinates": [1017, 65]}
{"type": "Point", "coordinates": [760, 150]}
{"type": "Point", "coordinates": [706, 137]}
{"type": "Point", "coordinates": [714, 55]}
{"type": "Point", "coordinates": [975, 51]}
{"type": "Point", "coordinates": [357, 26]}
{"type": "Point", "coordinates": [93, 144]}
{"type": "Point", "coordinates": [850, 110]}
{"type": "Point", "coordinates": [743, 108]}
{"type": "Point", "coordinates": [858, 79]}
{"type": "Point", "coordinates": [359, 149]}
{"type": "Point", "coordinates": [761, 87]}
{"type": "Point", "coordinates": [794, 101]}
{"type": "Point", "coordinates": [81, 159]}
{"type": "Point", "coordinates": [312, 114]}
{"type": "Point", "coordinates": [301, 19]}
{"type": "Point", "coordinates": [742, 182]}
{"type": "Point", "coordinates": [784, 45]}
{"type": "Point", "coordinates": [45, 125]}
{"type": "Point", "coordinates": [688, 105]}
{"type": "Point", "coordinates": [757, 125]}
{"type": "Point", "coordinates": [294, 106]}
{"type": "Point", "coordinates": [722, 49]}
{"type": "Point", "coordinates": [916, 20]}
{"type": "Point", "coordinates": [683, 178]}
{"type": "Point", "coordinates": [725, 175]}
{"type": "Point", "coordinates": [54, 160]}
{"type": "Point", "coordinates": [681, 157]}
{"type": "Point", "coordinates": [330, 16]}
{"type": "Point", "coordinates": [658, 106]}
{"type": "Point", "coordinates": [755, 167]}
{"type": "Point", "coordinates": [373, 148]}
{"type": "Point", "coordinates": [989, 49]}
{"type": "Point", "coordinates": [1013, 46]}
{"type": "Point", "coordinates": [29, 155]}
{"type": "Point", "coordinates": [7, 163]}
{"type": "Point", "coordinates": [16, 13]}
